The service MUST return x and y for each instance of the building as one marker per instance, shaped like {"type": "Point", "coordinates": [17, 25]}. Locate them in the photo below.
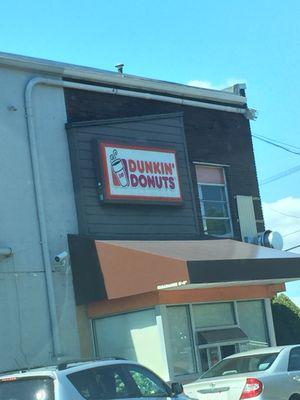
{"type": "Point", "coordinates": [128, 205]}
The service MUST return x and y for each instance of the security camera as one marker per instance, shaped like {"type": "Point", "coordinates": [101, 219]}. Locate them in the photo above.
{"type": "Point", "coordinates": [61, 258]}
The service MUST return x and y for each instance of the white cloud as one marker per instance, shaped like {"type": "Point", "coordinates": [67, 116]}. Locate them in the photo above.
{"type": "Point", "coordinates": [284, 216]}
{"type": "Point", "coordinates": [209, 85]}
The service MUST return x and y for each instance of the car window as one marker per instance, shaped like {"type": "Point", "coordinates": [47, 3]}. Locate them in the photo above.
{"type": "Point", "coordinates": [105, 383]}
{"type": "Point", "coordinates": [240, 365]}
{"type": "Point", "coordinates": [148, 383]}
{"type": "Point", "coordinates": [294, 359]}
{"type": "Point", "coordinates": [26, 389]}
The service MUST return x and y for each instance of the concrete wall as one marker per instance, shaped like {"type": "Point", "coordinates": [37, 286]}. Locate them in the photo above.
{"type": "Point", "coordinates": [25, 329]}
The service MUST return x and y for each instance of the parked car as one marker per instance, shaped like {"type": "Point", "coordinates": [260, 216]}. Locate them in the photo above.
{"type": "Point", "coordinates": [93, 380]}
{"type": "Point", "coordinates": [271, 373]}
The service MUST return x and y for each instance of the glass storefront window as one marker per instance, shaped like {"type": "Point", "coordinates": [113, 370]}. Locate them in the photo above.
{"type": "Point", "coordinates": [180, 334]}
{"type": "Point", "coordinates": [125, 335]}
{"type": "Point", "coordinates": [213, 315]}
{"type": "Point", "coordinates": [252, 320]}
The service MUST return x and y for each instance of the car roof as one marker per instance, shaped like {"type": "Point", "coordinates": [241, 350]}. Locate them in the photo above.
{"type": "Point", "coordinates": [264, 350]}
{"type": "Point", "coordinates": [61, 369]}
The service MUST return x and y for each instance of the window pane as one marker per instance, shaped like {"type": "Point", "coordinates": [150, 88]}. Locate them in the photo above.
{"type": "Point", "coordinates": [213, 314]}
{"type": "Point", "coordinates": [182, 350]}
{"type": "Point", "coordinates": [104, 383]}
{"type": "Point", "coordinates": [148, 384]}
{"type": "Point", "coordinates": [125, 336]}
{"type": "Point", "coordinates": [253, 322]}
{"type": "Point", "coordinates": [27, 389]}
{"type": "Point", "coordinates": [212, 193]}
{"type": "Point", "coordinates": [294, 361]}
{"type": "Point", "coordinates": [206, 174]}
{"type": "Point", "coordinates": [217, 226]}
{"type": "Point", "coordinates": [214, 209]}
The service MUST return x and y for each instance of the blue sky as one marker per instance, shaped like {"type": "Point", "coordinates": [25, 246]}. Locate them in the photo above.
{"type": "Point", "coordinates": [215, 42]}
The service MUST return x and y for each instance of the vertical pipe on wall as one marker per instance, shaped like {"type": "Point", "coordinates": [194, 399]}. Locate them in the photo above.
{"type": "Point", "coordinates": [41, 216]}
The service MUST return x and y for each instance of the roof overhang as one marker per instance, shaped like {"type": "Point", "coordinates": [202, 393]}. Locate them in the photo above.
{"type": "Point", "coordinates": [117, 269]}
{"type": "Point", "coordinates": [133, 82]}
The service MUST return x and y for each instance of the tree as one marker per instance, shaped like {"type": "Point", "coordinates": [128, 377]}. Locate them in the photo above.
{"type": "Point", "coordinates": [286, 316]}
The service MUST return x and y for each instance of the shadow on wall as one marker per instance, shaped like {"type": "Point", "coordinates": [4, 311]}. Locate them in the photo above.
{"type": "Point", "coordinates": [286, 316]}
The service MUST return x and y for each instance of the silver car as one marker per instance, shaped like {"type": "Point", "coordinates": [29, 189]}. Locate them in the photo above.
{"type": "Point", "coordinates": [271, 373]}
{"type": "Point", "coordinates": [95, 380]}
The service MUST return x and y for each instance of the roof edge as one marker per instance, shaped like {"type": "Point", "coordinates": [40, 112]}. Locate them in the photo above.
{"type": "Point", "coordinates": [71, 71]}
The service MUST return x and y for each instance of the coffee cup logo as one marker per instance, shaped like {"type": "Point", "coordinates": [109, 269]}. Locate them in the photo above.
{"type": "Point", "coordinates": [119, 171]}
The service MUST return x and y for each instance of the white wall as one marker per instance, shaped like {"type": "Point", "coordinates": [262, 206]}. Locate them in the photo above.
{"type": "Point", "coordinates": [25, 333]}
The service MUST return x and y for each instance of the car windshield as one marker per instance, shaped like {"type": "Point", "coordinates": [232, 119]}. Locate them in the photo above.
{"type": "Point", "coordinates": [240, 365]}
{"type": "Point", "coordinates": [27, 389]}
{"type": "Point", "coordinates": [118, 382]}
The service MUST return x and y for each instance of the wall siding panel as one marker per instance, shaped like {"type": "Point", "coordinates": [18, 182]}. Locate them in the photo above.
{"type": "Point", "coordinates": [211, 136]}
{"type": "Point", "coordinates": [136, 221]}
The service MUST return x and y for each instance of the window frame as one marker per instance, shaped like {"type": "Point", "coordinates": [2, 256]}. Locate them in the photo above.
{"type": "Point", "coordinates": [225, 202]}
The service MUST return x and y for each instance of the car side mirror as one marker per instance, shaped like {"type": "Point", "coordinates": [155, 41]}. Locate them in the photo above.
{"type": "Point", "coordinates": [176, 388]}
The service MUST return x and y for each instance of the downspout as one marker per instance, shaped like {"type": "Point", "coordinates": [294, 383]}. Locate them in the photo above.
{"type": "Point", "coordinates": [5, 252]}
{"type": "Point", "coordinates": [36, 171]}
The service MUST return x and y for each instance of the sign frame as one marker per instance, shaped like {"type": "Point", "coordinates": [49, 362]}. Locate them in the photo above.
{"type": "Point", "coordinates": [104, 184]}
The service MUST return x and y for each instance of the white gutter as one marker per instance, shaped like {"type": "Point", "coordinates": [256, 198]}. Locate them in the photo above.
{"type": "Point", "coordinates": [99, 76]}
{"type": "Point", "coordinates": [36, 170]}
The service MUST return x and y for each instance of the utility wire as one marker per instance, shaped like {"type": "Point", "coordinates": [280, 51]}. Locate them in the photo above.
{"type": "Point", "coordinates": [292, 248]}
{"type": "Point", "coordinates": [281, 175]}
{"type": "Point", "coordinates": [275, 141]}
{"type": "Point", "coordinates": [291, 233]}
{"type": "Point", "coordinates": [279, 212]}
{"type": "Point", "coordinates": [276, 145]}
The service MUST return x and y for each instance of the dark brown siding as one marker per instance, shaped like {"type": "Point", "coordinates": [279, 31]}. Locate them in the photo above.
{"type": "Point", "coordinates": [212, 136]}
{"type": "Point", "coordinates": [125, 221]}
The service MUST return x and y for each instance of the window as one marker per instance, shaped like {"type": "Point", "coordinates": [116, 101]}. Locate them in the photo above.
{"type": "Point", "coordinates": [148, 384]}
{"type": "Point", "coordinates": [213, 200]}
{"type": "Point", "coordinates": [213, 315]}
{"type": "Point", "coordinates": [252, 320]}
{"type": "Point", "coordinates": [241, 365]}
{"type": "Point", "coordinates": [294, 361]}
{"type": "Point", "coordinates": [102, 382]}
{"type": "Point", "coordinates": [118, 382]}
{"type": "Point", "coordinates": [125, 335]}
{"type": "Point", "coordinates": [181, 348]}
{"type": "Point", "coordinates": [27, 389]}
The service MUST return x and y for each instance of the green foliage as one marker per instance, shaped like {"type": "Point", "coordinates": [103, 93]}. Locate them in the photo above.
{"type": "Point", "coordinates": [286, 316]}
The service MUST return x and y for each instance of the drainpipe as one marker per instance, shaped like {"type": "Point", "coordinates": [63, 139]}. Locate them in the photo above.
{"type": "Point", "coordinates": [248, 113]}
{"type": "Point", "coordinates": [5, 251]}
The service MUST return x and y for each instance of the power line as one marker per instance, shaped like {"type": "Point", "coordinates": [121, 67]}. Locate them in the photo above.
{"type": "Point", "coordinates": [291, 233]}
{"type": "Point", "coordinates": [281, 175]}
{"type": "Point", "coordinates": [292, 248]}
{"type": "Point", "coordinates": [279, 212]}
{"type": "Point", "coordinates": [276, 145]}
{"type": "Point", "coordinates": [275, 141]}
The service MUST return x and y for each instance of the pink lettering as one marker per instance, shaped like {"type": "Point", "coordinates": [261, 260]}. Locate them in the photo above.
{"type": "Point", "coordinates": [134, 180]}
{"type": "Point", "coordinates": [171, 183]}
{"type": "Point", "coordinates": [141, 166]}
{"type": "Point", "coordinates": [131, 165]}
{"type": "Point", "coordinates": [156, 168]}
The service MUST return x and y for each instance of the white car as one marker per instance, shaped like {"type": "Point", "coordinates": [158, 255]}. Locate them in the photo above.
{"type": "Point", "coordinates": [95, 380]}
{"type": "Point", "coordinates": [271, 373]}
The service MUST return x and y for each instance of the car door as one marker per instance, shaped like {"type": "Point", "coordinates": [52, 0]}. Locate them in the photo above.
{"type": "Point", "coordinates": [294, 370]}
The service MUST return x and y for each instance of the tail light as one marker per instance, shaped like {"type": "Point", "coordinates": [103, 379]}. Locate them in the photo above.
{"type": "Point", "coordinates": [252, 388]}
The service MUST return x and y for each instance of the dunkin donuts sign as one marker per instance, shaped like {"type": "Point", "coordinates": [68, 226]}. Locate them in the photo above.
{"type": "Point", "coordinates": [139, 173]}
